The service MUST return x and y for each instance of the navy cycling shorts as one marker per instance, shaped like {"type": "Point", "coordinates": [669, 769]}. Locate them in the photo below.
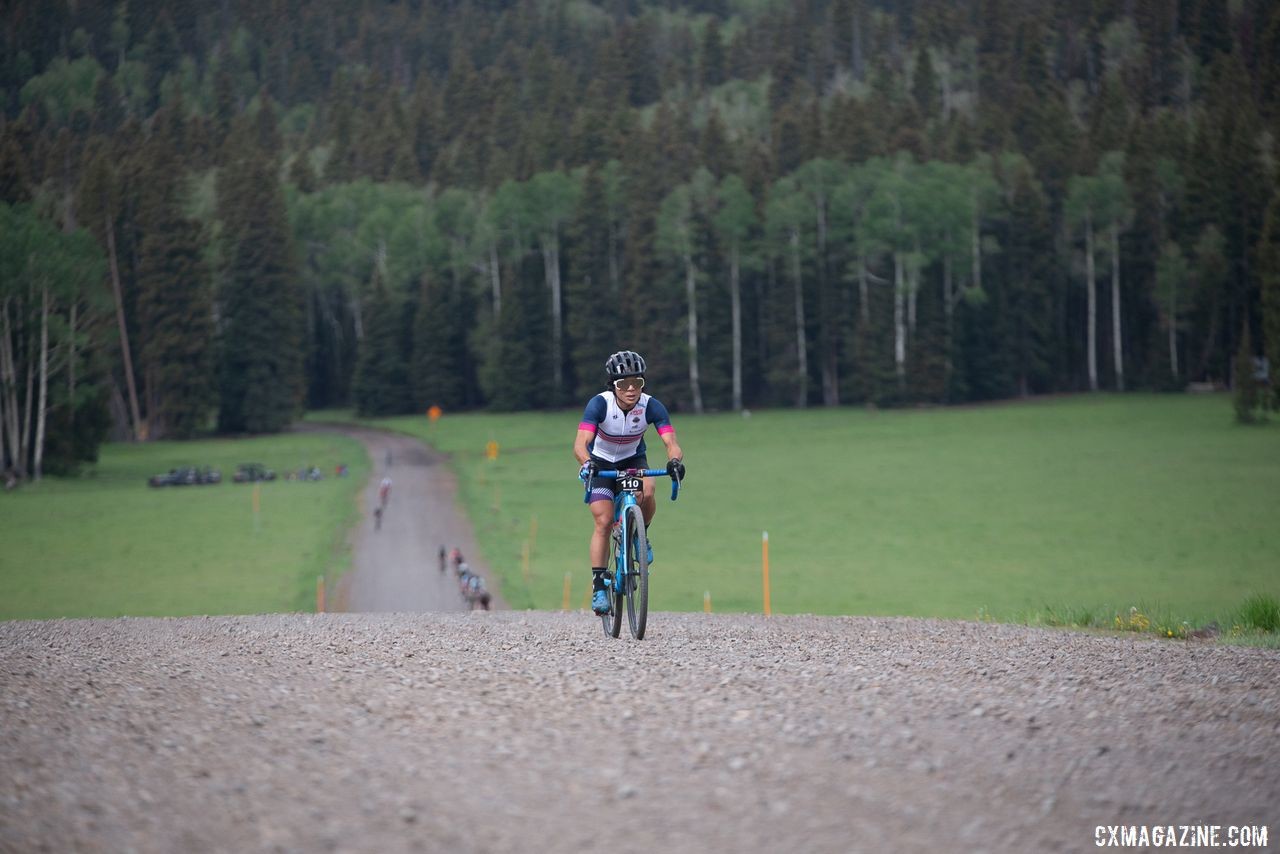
{"type": "Point", "coordinates": [605, 488]}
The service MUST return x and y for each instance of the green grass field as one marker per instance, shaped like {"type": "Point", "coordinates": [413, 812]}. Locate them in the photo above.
{"type": "Point", "coordinates": [1022, 511]}
{"type": "Point", "coordinates": [106, 545]}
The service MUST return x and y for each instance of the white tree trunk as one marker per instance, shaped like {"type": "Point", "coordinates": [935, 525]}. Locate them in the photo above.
{"type": "Point", "coordinates": [802, 361]}
{"type": "Point", "coordinates": [495, 282]}
{"type": "Point", "coordinates": [1116, 343]}
{"type": "Point", "coordinates": [615, 272]}
{"type": "Point", "coordinates": [899, 324]}
{"type": "Point", "coordinates": [71, 361]}
{"type": "Point", "coordinates": [9, 388]}
{"type": "Point", "coordinates": [551, 268]}
{"type": "Point", "coordinates": [691, 294]}
{"type": "Point", "coordinates": [357, 317]}
{"type": "Point", "coordinates": [1093, 303]}
{"type": "Point", "coordinates": [913, 288]}
{"type": "Point", "coordinates": [976, 247]}
{"type": "Point", "coordinates": [830, 365]}
{"type": "Point", "coordinates": [864, 293]}
{"type": "Point", "coordinates": [134, 412]}
{"type": "Point", "coordinates": [948, 302]}
{"type": "Point", "coordinates": [735, 311]}
{"type": "Point", "coordinates": [43, 404]}
{"type": "Point", "coordinates": [24, 444]}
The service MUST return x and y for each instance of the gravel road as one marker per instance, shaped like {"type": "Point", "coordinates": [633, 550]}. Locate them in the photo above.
{"type": "Point", "coordinates": [396, 567]}
{"type": "Point", "coordinates": [510, 731]}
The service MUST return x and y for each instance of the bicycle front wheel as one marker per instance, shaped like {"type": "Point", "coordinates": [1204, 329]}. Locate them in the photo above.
{"type": "Point", "coordinates": [636, 582]}
{"type": "Point", "coordinates": [612, 621]}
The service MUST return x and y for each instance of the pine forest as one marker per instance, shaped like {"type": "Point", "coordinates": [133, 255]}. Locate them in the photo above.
{"type": "Point", "coordinates": [216, 215]}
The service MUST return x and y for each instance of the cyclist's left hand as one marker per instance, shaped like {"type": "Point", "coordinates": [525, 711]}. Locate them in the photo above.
{"type": "Point", "coordinates": [675, 468]}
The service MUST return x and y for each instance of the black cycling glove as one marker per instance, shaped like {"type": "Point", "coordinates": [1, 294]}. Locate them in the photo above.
{"type": "Point", "coordinates": [675, 468]}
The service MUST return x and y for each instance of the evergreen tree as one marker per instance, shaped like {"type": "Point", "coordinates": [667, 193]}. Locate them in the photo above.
{"type": "Point", "coordinates": [1245, 398]}
{"type": "Point", "coordinates": [15, 177]}
{"type": "Point", "coordinates": [1027, 254]}
{"type": "Point", "coordinates": [924, 85]}
{"type": "Point", "coordinates": [712, 66]}
{"type": "Point", "coordinates": [381, 382]}
{"type": "Point", "coordinates": [175, 305]}
{"type": "Point", "coordinates": [588, 286]}
{"type": "Point", "coordinates": [438, 360]}
{"type": "Point", "coordinates": [1269, 272]}
{"type": "Point", "coordinates": [260, 372]}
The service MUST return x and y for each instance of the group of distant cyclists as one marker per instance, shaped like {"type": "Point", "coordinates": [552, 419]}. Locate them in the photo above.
{"type": "Point", "coordinates": [470, 585]}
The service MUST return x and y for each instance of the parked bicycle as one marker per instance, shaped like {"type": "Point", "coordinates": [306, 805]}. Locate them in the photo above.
{"type": "Point", "coordinates": [628, 578]}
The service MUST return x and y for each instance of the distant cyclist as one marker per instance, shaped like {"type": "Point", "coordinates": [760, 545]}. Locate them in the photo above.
{"type": "Point", "coordinates": [611, 436]}
{"type": "Point", "coordinates": [384, 492]}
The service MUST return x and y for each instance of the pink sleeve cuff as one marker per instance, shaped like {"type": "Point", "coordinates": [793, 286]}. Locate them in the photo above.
{"type": "Point", "coordinates": [586, 425]}
{"type": "Point", "coordinates": [662, 431]}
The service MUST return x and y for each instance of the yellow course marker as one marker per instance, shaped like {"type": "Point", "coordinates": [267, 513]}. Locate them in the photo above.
{"type": "Point", "coordinates": [768, 608]}
{"type": "Point", "coordinates": [706, 601]}
{"type": "Point", "coordinates": [319, 594]}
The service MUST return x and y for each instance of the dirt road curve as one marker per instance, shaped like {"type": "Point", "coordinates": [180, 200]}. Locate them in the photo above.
{"type": "Point", "coordinates": [396, 567]}
{"type": "Point", "coordinates": [532, 732]}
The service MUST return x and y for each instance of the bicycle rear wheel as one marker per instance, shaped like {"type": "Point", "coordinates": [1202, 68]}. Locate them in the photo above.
{"type": "Point", "coordinates": [636, 582]}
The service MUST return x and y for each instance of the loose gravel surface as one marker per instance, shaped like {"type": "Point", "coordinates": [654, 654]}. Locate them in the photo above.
{"type": "Point", "coordinates": [513, 731]}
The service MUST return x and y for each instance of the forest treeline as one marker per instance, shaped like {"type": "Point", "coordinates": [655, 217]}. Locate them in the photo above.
{"type": "Point", "coordinates": [217, 214]}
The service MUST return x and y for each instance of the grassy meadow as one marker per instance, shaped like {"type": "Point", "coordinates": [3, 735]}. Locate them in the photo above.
{"type": "Point", "coordinates": [105, 544]}
{"type": "Point", "coordinates": [1067, 510]}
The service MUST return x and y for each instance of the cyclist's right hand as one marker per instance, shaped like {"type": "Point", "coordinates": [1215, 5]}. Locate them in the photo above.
{"type": "Point", "coordinates": [587, 471]}
{"type": "Point", "coordinates": [675, 468]}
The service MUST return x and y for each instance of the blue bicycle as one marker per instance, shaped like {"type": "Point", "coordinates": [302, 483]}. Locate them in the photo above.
{"type": "Point", "coordinates": [629, 579]}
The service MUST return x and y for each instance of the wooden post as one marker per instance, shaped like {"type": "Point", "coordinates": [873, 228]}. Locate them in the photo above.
{"type": "Point", "coordinates": [319, 594]}
{"type": "Point", "coordinates": [768, 608]}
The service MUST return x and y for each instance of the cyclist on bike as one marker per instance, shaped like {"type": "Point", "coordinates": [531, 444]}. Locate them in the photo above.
{"type": "Point", "coordinates": [611, 436]}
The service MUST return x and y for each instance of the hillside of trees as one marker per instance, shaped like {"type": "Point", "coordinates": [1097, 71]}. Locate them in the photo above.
{"type": "Point", "coordinates": [215, 215]}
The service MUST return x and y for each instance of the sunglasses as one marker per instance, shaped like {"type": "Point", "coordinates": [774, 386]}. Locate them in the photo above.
{"type": "Point", "coordinates": [629, 383]}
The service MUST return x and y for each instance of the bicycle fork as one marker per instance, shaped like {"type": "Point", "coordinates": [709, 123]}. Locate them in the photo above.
{"type": "Point", "coordinates": [621, 548]}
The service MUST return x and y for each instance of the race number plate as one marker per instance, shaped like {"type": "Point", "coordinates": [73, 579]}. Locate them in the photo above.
{"type": "Point", "coordinates": [631, 483]}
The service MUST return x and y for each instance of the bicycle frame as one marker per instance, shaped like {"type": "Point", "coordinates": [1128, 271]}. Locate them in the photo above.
{"type": "Point", "coordinates": [623, 501]}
